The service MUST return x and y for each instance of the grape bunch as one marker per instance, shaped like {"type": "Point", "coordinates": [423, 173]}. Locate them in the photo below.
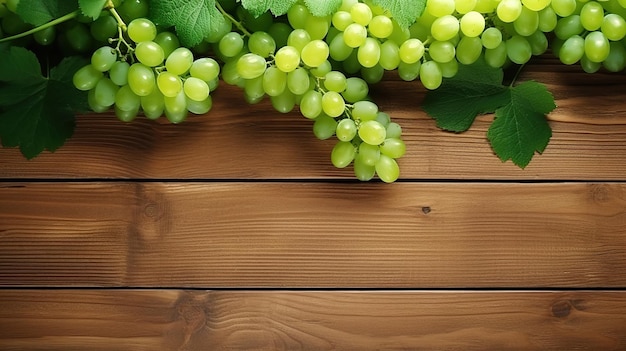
{"type": "Point", "coordinates": [152, 73]}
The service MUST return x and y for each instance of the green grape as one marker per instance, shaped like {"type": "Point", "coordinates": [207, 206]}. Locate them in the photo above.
{"type": "Point", "coordinates": [356, 90]}
{"type": "Point", "coordinates": [372, 132]}
{"type": "Point", "coordinates": [284, 102]}
{"type": "Point", "coordinates": [298, 39]}
{"type": "Point", "coordinates": [536, 5]}
{"type": "Point", "coordinates": [335, 81]}
{"type": "Point", "coordinates": [616, 61]}
{"type": "Point", "coordinates": [362, 171]}
{"type": "Point", "coordinates": [389, 55]}
{"type": "Point", "coordinates": [440, 8]}
{"type": "Point", "coordinates": [169, 84]}
{"type": "Point", "coordinates": [324, 127]}
{"type": "Point", "coordinates": [274, 81]}
{"type": "Point", "coordinates": [430, 75]}
{"type": "Point", "coordinates": [179, 61]}
{"type": "Point", "coordinates": [86, 78]}
{"type": "Point", "coordinates": [333, 104]}
{"type": "Point", "coordinates": [311, 104]}
{"type": "Point", "coordinates": [380, 26]}
{"type": "Point", "coordinates": [131, 9]}
{"type": "Point", "coordinates": [472, 24]}
{"type": "Point", "coordinates": [568, 26]}
{"type": "Point", "coordinates": [364, 111]}
{"type": "Point", "coordinates": [205, 68]}
{"type": "Point", "coordinates": [591, 15]}
{"type": "Point", "coordinates": [409, 71]}
{"type": "Point", "coordinates": [547, 19]}
{"type": "Point", "coordinates": [125, 115]}
{"type": "Point", "coordinates": [141, 79]}
{"type": "Point", "coordinates": [527, 22]}
{"type": "Point", "coordinates": [44, 37]}
{"type": "Point", "coordinates": [141, 29]}
{"type": "Point", "coordinates": [315, 53]}
{"type": "Point", "coordinates": [341, 20]}
{"type": "Point", "coordinates": [280, 32]}
{"type": "Point", "coordinates": [262, 44]}
{"type": "Point", "coordinates": [368, 54]}
{"type": "Point", "coordinates": [251, 66]}
{"type": "Point", "coordinates": [103, 58]}
{"type": "Point", "coordinates": [445, 28]}
{"type": "Point", "coordinates": [287, 58]}
{"type": "Point", "coordinates": [596, 46]}
{"type": "Point", "coordinates": [253, 89]}
{"type": "Point", "coordinates": [149, 53]}
{"type": "Point", "coordinates": [361, 13]}
{"type": "Point", "coordinates": [369, 154]}
{"type": "Point", "coordinates": [572, 50]}
{"type": "Point", "coordinates": [497, 56]}
{"type": "Point", "coordinates": [126, 100]}
{"type": "Point", "coordinates": [411, 51]}
{"type": "Point", "coordinates": [103, 28]}
{"type": "Point", "coordinates": [393, 147]}
{"type": "Point", "coordinates": [518, 49]}
{"type": "Point", "coordinates": [175, 107]}
{"type": "Point", "coordinates": [196, 89]}
{"type": "Point", "coordinates": [231, 44]}
{"type": "Point", "coordinates": [387, 169]}
{"type": "Point", "coordinates": [394, 130]}
{"type": "Point", "coordinates": [298, 81]}
{"type": "Point", "coordinates": [152, 104]}
{"type": "Point", "coordinates": [317, 26]}
{"type": "Point", "coordinates": [355, 35]}
{"type": "Point", "coordinates": [509, 10]}
{"type": "Point", "coordinates": [91, 101]}
{"type": "Point", "coordinates": [346, 129]}
{"type": "Point", "coordinates": [342, 154]}
{"type": "Point", "coordinates": [442, 51]}
{"type": "Point", "coordinates": [200, 107]}
{"type": "Point", "coordinates": [168, 41]}
{"type": "Point", "coordinates": [491, 38]}
{"type": "Point", "coordinates": [563, 8]}
{"type": "Point", "coordinates": [614, 27]}
{"type": "Point", "coordinates": [589, 66]}
{"type": "Point", "coordinates": [372, 75]}
{"type": "Point", "coordinates": [104, 92]}
{"type": "Point", "coordinates": [538, 42]}
{"type": "Point", "coordinates": [297, 16]}
{"type": "Point", "coordinates": [468, 50]}
{"type": "Point", "coordinates": [338, 49]}
{"type": "Point", "coordinates": [119, 72]}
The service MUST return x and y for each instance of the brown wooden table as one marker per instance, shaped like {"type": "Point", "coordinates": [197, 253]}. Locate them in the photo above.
{"type": "Point", "coordinates": [233, 231]}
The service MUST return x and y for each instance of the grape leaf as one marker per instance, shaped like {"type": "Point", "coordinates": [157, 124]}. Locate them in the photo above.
{"type": "Point", "coordinates": [476, 89]}
{"type": "Point", "coordinates": [259, 7]}
{"type": "Point", "coordinates": [322, 8]}
{"type": "Point", "coordinates": [38, 12]}
{"type": "Point", "coordinates": [91, 8]}
{"type": "Point", "coordinates": [37, 112]}
{"type": "Point", "coordinates": [405, 12]}
{"type": "Point", "coordinates": [520, 127]}
{"type": "Point", "coordinates": [193, 19]}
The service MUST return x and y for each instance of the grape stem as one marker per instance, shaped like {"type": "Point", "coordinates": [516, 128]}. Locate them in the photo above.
{"type": "Point", "coordinates": [232, 20]}
{"type": "Point", "coordinates": [52, 23]}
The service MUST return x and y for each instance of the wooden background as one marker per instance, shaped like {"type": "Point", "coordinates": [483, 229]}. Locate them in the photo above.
{"type": "Point", "coordinates": [233, 231]}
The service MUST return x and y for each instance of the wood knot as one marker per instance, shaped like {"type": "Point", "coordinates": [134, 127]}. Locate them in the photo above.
{"type": "Point", "coordinates": [561, 309]}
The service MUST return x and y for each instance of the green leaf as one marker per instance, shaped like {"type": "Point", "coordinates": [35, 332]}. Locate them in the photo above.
{"type": "Point", "coordinates": [91, 8]}
{"type": "Point", "coordinates": [322, 8]}
{"type": "Point", "coordinates": [476, 89]}
{"type": "Point", "coordinates": [521, 128]}
{"type": "Point", "coordinates": [38, 12]}
{"type": "Point", "coordinates": [37, 113]}
{"type": "Point", "coordinates": [193, 19]}
{"type": "Point", "coordinates": [259, 7]}
{"type": "Point", "coordinates": [405, 12]}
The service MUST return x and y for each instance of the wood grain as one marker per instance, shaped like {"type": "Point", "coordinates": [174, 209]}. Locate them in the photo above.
{"type": "Point", "coordinates": [271, 320]}
{"type": "Point", "coordinates": [239, 141]}
{"type": "Point", "coordinates": [409, 235]}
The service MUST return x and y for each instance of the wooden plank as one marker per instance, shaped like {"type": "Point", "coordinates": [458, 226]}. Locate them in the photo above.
{"type": "Point", "coordinates": [413, 235]}
{"type": "Point", "coordinates": [238, 141]}
{"type": "Point", "coordinates": [271, 320]}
